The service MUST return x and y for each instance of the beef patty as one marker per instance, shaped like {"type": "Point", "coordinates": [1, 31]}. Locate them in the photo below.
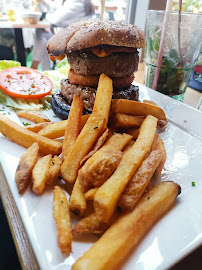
{"type": "Point", "coordinates": [87, 94]}
{"type": "Point", "coordinates": [121, 64]}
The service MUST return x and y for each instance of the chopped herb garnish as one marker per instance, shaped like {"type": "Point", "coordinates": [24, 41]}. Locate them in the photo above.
{"type": "Point", "coordinates": [4, 113]}
{"type": "Point", "coordinates": [119, 209]}
{"type": "Point", "coordinates": [138, 174]}
{"type": "Point", "coordinates": [59, 177]}
{"type": "Point", "coordinates": [1, 110]}
{"type": "Point", "coordinates": [193, 184]}
{"type": "Point", "coordinates": [3, 107]}
{"type": "Point", "coordinates": [54, 116]}
{"type": "Point", "coordinates": [52, 162]}
{"type": "Point", "coordinates": [26, 124]}
{"type": "Point", "coordinates": [11, 109]}
{"type": "Point", "coordinates": [9, 113]}
{"type": "Point", "coordinates": [69, 198]}
{"type": "Point", "coordinates": [114, 133]}
{"type": "Point", "coordinates": [95, 127]}
{"type": "Point", "coordinates": [62, 202]}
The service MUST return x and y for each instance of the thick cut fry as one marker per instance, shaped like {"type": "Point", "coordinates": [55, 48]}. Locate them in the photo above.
{"type": "Point", "coordinates": [133, 132]}
{"type": "Point", "coordinates": [126, 233]}
{"type": "Point", "coordinates": [57, 129]}
{"type": "Point", "coordinates": [97, 146]}
{"type": "Point", "coordinates": [101, 165]}
{"type": "Point", "coordinates": [118, 141]}
{"type": "Point", "coordinates": [26, 138]}
{"type": "Point", "coordinates": [73, 126]}
{"type": "Point", "coordinates": [54, 170]}
{"type": "Point", "coordinates": [108, 194]}
{"type": "Point", "coordinates": [137, 185]}
{"type": "Point", "coordinates": [154, 143]}
{"type": "Point", "coordinates": [89, 195]}
{"type": "Point", "coordinates": [62, 218]}
{"type": "Point", "coordinates": [33, 116]}
{"type": "Point", "coordinates": [137, 108]}
{"type": "Point", "coordinates": [162, 123]}
{"type": "Point", "coordinates": [77, 201]}
{"type": "Point", "coordinates": [37, 127]}
{"type": "Point", "coordinates": [122, 120]}
{"type": "Point", "coordinates": [40, 174]}
{"type": "Point", "coordinates": [84, 142]}
{"type": "Point", "coordinates": [89, 224]}
{"type": "Point", "coordinates": [23, 173]}
{"type": "Point", "coordinates": [103, 97]}
{"type": "Point", "coordinates": [160, 146]}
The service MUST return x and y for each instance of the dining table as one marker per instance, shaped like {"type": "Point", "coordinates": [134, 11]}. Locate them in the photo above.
{"type": "Point", "coordinates": [23, 246]}
{"type": "Point", "coordinates": [17, 27]}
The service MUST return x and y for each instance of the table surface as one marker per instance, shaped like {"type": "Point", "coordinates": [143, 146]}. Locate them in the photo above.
{"type": "Point", "coordinates": [25, 252]}
{"type": "Point", "coordinates": [21, 24]}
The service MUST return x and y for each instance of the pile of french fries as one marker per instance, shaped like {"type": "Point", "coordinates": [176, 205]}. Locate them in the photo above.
{"type": "Point", "coordinates": [109, 158]}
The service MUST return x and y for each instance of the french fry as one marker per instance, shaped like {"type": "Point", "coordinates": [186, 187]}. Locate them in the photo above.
{"type": "Point", "coordinates": [154, 143]}
{"type": "Point", "coordinates": [127, 232]}
{"type": "Point", "coordinates": [89, 224]}
{"type": "Point", "coordinates": [101, 164]}
{"type": "Point", "coordinates": [136, 108]}
{"type": "Point", "coordinates": [103, 97]}
{"type": "Point", "coordinates": [61, 215]}
{"type": "Point", "coordinates": [162, 123]}
{"type": "Point", "coordinates": [54, 170]}
{"type": "Point", "coordinates": [118, 141]}
{"type": "Point", "coordinates": [133, 132]}
{"type": "Point", "coordinates": [73, 126]}
{"type": "Point", "coordinates": [23, 173]}
{"type": "Point", "coordinates": [108, 194]}
{"type": "Point", "coordinates": [121, 120]}
{"type": "Point", "coordinates": [40, 174]}
{"type": "Point", "coordinates": [77, 201]}
{"type": "Point", "coordinates": [57, 129]}
{"type": "Point", "coordinates": [84, 142]}
{"type": "Point", "coordinates": [34, 116]}
{"type": "Point", "coordinates": [26, 138]}
{"type": "Point", "coordinates": [97, 146]}
{"type": "Point", "coordinates": [89, 195]}
{"type": "Point", "coordinates": [37, 127]}
{"type": "Point", "coordinates": [137, 185]}
{"type": "Point", "coordinates": [160, 146]}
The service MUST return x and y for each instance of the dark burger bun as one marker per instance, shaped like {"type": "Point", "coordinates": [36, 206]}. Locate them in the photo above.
{"type": "Point", "coordinates": [91, 33]}
{"type": "Point", "coordinates": [60, 106]}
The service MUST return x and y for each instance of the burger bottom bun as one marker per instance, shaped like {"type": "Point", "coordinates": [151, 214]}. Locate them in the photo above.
{"type": "Point", "coordinates": [92, 80]}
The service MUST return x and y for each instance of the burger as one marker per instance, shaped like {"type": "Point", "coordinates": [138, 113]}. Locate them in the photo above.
{"type": "Point", "coordinates": [94, 47]}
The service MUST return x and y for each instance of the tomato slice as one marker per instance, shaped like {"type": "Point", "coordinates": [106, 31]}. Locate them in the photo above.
{"type": "Point", "coordinates": [23, 82]}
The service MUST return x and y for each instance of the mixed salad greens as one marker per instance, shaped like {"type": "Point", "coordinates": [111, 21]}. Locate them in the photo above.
{"type": "Point", "coordinates": [34, 104]}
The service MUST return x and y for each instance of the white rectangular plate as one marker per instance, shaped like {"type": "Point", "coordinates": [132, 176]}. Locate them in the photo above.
{"type": "Point", "coordinates": [178, 233]}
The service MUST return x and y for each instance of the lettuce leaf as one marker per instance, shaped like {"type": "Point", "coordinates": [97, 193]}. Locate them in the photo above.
{"type": "Point", "coordinates": [4, 64]}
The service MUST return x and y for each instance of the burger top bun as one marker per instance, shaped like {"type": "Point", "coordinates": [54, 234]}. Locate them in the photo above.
{"type": "Point", "coordinates": [91, 33]}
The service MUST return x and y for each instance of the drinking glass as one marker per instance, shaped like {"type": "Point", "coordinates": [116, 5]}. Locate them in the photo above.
{"type": "Point", "coordinates": [183, 42]}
